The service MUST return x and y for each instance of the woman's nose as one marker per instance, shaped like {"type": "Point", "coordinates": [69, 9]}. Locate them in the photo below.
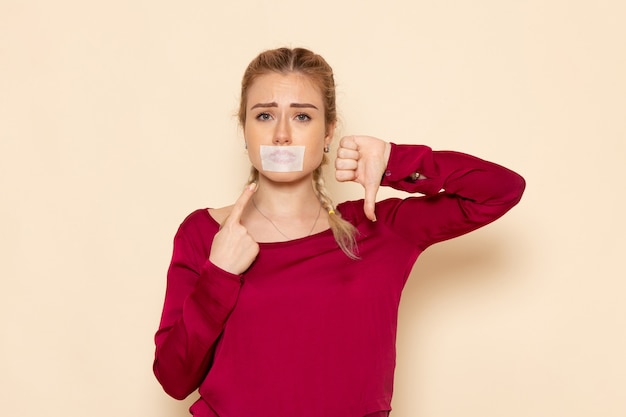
{"type": "Point", "coordinates": [282, 134]}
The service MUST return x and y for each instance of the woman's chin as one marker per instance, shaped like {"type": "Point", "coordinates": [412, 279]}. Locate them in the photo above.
{"type": "Point", "coordinates": [285, 177]}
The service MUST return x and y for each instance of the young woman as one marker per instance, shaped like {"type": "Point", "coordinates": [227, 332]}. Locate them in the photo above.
{"type": "Point", "coordinates": [283, 305]}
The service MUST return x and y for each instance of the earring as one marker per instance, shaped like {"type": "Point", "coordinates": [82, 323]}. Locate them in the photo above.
{"type": "Point", "coordinates": [326, 149]}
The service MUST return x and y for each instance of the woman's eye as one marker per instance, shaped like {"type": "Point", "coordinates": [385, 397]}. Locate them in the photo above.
{"type": "Point", "coordinates": [303, 117]}
{"type": "Point", "coordinates": [263, 116]}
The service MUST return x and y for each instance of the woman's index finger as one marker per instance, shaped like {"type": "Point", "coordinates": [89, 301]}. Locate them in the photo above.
{"type": "Point", "coordinates": [348, 142]}
{"type": "Point", "coordinates": [241, 203]}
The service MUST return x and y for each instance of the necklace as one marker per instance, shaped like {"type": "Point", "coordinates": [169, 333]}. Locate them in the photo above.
{"type": "Point", "coordinates": [276, 227]}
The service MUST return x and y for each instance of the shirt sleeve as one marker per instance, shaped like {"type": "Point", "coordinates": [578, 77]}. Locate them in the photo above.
{"type": "Point", "coordinates": [460, 193]}
{"type": "Point", "coordinates": [198, 300]}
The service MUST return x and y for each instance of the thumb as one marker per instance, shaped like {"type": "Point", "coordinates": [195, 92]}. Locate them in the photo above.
{"type": "Point", "coordinates": [370, 201]}
{"type": "Point", "coordinates": [241, 203]}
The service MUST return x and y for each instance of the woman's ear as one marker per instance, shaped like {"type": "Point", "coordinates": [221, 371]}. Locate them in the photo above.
{"type": "Point", "coordinates": [330, 133]}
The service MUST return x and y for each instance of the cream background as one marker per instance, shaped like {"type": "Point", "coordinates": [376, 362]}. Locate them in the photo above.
{"type": "Point", "coordinates": [116, 121]}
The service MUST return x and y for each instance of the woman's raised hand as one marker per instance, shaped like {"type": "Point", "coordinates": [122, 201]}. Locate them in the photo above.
{"type": "Point", "coordinates": [233, 249]}
{"type": "Point", "coordinates": [363, 159]}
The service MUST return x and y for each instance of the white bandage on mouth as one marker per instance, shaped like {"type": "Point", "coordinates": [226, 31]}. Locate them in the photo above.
{"type": "Point", "coordinates": [282, 158]}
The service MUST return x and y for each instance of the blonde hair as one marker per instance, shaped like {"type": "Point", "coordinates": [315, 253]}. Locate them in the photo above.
{"type": "Point", "coordinates": [305, 62]}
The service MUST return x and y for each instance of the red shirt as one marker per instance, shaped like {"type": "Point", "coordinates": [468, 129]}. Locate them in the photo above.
{"type": "Point", "coordinates": [306, 331]}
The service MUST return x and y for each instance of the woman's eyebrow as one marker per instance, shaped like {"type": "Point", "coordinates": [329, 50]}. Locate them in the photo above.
{"type": "Point", "coordinates": [303, 105]}
{"type": "Point", "coordinates": [274, 104]}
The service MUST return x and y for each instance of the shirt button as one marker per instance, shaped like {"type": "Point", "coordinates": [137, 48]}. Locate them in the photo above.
{"type": "Point", "coordinates": [387, 173]}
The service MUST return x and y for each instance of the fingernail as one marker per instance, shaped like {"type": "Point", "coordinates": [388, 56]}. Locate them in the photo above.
{"type": "Point", "coordinates": [252, 186]}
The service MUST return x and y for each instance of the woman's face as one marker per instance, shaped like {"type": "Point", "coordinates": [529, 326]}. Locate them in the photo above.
{"type": "Point", "coordinates": [282, 111]}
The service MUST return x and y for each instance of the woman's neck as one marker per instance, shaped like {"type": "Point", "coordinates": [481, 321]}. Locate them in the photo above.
{"type": "Point", "coordinates": [292, 199]}
{"type": "Point", "coordinates": [284, 211]}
